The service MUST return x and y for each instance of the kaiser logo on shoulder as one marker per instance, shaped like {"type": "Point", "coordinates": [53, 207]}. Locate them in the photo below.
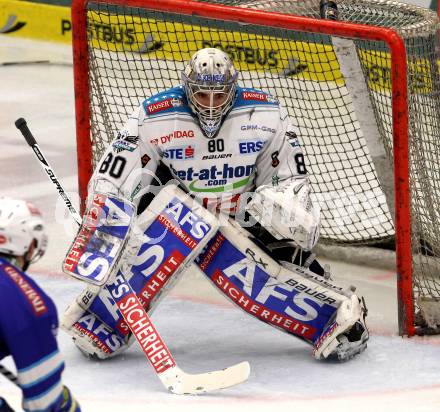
{"type": "Point", "coordinates": [100, 239]}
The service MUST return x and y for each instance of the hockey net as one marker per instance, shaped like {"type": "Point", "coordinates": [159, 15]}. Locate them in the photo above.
{"type": "Point", "coordinates": [338, 85]}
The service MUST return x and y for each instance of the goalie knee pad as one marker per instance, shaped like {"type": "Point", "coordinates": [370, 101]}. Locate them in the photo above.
{"type": "Point", "coordinates": [286, 251]}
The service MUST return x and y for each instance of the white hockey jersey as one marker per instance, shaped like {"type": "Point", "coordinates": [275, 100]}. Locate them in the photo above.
{"type": "Point", "coordinates": [256, 146]}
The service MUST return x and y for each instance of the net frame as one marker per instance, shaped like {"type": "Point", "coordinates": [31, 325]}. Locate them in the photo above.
{"type": "Point", "coordinates": [396, 46]}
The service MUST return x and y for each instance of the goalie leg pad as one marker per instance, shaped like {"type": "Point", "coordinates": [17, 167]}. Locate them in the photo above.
{"type": "Point", "coordinates": [93, 319]}
{"type": "Point", "coordinates": [167, 235]}
{"type": "Point", "coordinates": [89, 333]}
{"type": "Point", "coordinates": [294, 300]}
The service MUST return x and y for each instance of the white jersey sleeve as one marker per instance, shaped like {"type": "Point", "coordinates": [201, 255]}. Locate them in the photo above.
{"type": "Point", "coordinates": [128, 165]}
{"type": "Point", "coordinates": [281, 158]}
{"type": "Point", "coordinates": [282, 202]}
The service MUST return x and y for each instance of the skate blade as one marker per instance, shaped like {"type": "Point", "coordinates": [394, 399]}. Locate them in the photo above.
{"type": "Point", "coordinates": [345, 352]}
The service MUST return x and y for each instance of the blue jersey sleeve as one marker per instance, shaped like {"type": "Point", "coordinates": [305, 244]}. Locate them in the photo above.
{"type": "Point", "coordinates": [28, 323]}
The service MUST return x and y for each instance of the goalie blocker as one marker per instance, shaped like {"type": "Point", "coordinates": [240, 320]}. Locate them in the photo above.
{"type": "Point", "coordinates": [288, 297]}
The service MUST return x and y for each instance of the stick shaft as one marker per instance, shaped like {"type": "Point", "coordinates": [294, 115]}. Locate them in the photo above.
{"type": "Point", "coordinates": [30, 139]}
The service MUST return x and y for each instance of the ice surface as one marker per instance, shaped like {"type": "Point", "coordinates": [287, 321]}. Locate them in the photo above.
{"type": "Point", "coordinates": [202, 329]}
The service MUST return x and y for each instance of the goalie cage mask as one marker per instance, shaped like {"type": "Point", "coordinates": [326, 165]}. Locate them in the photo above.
{"type": "Point", "coordinates": [211, 74]}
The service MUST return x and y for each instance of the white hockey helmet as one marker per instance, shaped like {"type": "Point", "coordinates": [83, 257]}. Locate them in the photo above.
{"type": "Point", "coordinates": [210, 81]}
{"type": "Point", "coordinates": [21, 226]}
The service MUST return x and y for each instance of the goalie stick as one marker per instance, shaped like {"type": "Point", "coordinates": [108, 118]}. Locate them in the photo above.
{"type": "Point", "coordinates": [174, 379]}
{"type": "Point", "coordinates": [24, 129]}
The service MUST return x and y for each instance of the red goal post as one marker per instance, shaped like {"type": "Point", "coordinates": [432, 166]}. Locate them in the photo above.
{"type": "Point", "coordinates": [290, 23]}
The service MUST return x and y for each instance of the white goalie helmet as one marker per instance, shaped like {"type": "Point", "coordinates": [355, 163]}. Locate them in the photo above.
{"type": "Point", "coordinates": [21, 226]}
{"type": "Point", "coordinates": [210, 81]}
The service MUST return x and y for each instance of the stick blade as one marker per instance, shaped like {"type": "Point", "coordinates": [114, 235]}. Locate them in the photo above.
{"type": "Point", "coordinates": [181, 383]}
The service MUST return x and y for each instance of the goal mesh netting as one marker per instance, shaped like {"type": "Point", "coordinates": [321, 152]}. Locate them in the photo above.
{"type": "Point", "coordinates": [136, 52]}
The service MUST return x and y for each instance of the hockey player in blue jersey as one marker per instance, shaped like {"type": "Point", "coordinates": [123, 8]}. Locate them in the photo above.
{"type": "Point", "coordinates": [28, 317]}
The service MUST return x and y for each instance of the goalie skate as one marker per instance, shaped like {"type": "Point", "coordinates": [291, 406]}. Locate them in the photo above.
{"type": "Point", "coordinates": [347, 335]}
{"type": "Point", "coordinates": [351, 344]}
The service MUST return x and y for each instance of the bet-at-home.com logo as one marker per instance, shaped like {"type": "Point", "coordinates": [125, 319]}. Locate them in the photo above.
{"type": "Point", "coordinates": [215, 180]}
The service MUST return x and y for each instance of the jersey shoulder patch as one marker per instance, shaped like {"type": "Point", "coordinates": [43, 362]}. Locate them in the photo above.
{"type": "Point", "coordinates": [253, 97]}
{"type": "Point", "coordinates": [16, 286]}
{"type": "Point", "coordinates": [167, 102]}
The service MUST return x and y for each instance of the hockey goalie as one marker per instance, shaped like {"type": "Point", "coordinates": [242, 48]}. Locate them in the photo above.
{"type": "Point", "coordinates": [209, 144]}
